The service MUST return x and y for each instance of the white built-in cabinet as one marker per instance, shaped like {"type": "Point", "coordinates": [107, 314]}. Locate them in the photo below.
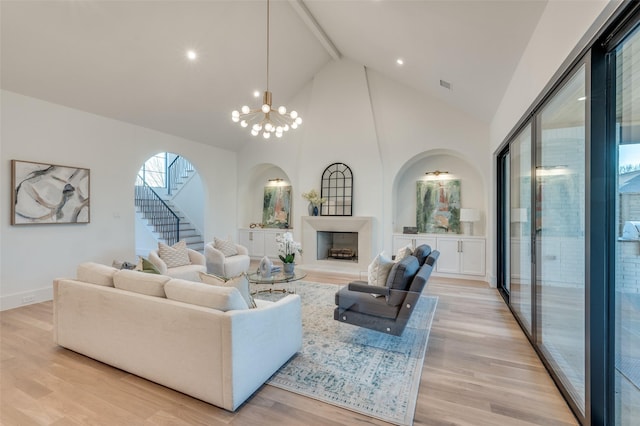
{"type": "Point", "coordinates": [460, 255]}
{"type": "Point", "coordinates": [260, 241]}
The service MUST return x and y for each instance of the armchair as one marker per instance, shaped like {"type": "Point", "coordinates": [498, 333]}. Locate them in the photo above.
{"type": "Point", "coordinates": [226, 266]}
{"type": "Point", "coordinates": [189, 272]}
{"type": "Point", "coordinates": [389, 314]}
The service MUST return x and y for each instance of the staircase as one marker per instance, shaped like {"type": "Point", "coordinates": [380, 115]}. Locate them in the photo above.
{"type": "Point", "coordinates": [164, 218]}
{"type": "Point", "coordinates": [188, 231]}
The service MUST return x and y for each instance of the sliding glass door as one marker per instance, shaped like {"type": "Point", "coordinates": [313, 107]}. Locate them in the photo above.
{"type": "Point", "coordinates": [560, 234]}
{"type": "Point", "coordinates": [520, 227]}
{"type": "Point", "coordinates": [627, 242]}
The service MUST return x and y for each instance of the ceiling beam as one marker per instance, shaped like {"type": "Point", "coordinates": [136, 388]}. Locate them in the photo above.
{"type": "Point", "coordinates": [315, 28]}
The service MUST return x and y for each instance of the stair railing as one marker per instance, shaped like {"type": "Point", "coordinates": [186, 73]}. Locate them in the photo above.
{"type": "Point", "coordinates": [157, 212]}
{"type": "Point", "coordinates": [177, 170]}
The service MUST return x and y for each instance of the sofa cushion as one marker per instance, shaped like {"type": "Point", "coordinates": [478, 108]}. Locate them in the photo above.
{"type": "Point", "coordinates": [95, 273]}
{"type": "Point", "coordinates": [174, 256]}
{"type": "Point", "coordinates": [241, 282]}
{"type": "Point", "coordinates": [422, 252]}
{"type": "Point", "coordinates": [400, 279]}
{"type": "Point", "coordinates": [221, 298]}
{"type": "Point", "coordinates": [227, 247]}
{"type": "Point", "coordinates": [356, 301]}
{"type": "Point", "coordinates": [139, 282]}
{"type": "Point", "coordinates": [403, 252]}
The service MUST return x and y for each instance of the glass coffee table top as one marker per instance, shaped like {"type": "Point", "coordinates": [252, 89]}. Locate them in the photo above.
{"type": "Point", "coordinates": [261, 281]}
{"type": "Point", "coordinates": [275, 278]}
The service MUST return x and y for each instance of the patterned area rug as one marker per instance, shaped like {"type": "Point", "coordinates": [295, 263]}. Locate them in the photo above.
{"type": "Point", "coordinates": [354, 368]}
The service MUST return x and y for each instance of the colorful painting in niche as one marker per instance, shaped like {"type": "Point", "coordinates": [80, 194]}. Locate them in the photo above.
{"type": "Point", "coordinates": [276, 207]}
{"type": "Point", "coordinates": [438, 206]}
{"type": "Point", "coordinates": [47, 193]}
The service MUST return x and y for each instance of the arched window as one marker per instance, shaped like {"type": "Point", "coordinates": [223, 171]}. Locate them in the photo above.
{"type": "Point", "coordinates": [337, 188]}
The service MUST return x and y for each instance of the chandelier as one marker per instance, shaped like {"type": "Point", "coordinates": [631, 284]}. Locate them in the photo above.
{"type": "Point", "coordinates": [267, 119]}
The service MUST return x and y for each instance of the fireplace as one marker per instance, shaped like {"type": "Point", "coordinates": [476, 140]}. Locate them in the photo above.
{"type": "Point", "coordinates": [341, 246]}
{"type": "Point", "coordinates": [321, 234]}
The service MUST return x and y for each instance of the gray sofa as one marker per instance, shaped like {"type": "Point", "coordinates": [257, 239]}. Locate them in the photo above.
{"type": "Point", "coordinates": [390, 312]}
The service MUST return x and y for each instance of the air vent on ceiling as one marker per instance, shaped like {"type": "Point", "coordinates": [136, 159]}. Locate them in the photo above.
{"type": "Point", "coordinates": [446, 85]}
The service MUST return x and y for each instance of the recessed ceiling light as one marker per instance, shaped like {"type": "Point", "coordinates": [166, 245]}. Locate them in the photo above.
{"type": "Point", "coordinates": [192, 55]}
{"type": "Point", "coordinates": [256, 94]}
{"type": "Point", "coordinates": [400, 61]}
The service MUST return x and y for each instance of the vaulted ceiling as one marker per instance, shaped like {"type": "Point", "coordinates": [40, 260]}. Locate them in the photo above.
{"type": "Point", "coordinates": [127, 59]}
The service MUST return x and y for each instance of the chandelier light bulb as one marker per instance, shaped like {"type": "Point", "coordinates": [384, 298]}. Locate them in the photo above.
{"type": "Point", "coordinates": [245, 109]}
{"type": "Point", "coordinates": [266, 108]}
{"type": "Point", "coordinates": [266, 135]}
{"type": "Point", "coordinates": [257, 127]}
{"type": "Point", "coordinates": [282, 110]}
{"type": "Point", "coordinates": [286, 127]}
{"type": "Point", "coordinates": [244, 123]}
{"type": "Point", "coordinates": [299, 121]}
{"type": "Point", "coordinates": [268, 127]}
{"type": "Point", "coordinates": [254, 132]}
{"type": "Point", "coordinates": [294, 125]}
{"type": "Point", "coordinates": [235, 119]}
{"type": "Point", "coordinates": [293, 114]}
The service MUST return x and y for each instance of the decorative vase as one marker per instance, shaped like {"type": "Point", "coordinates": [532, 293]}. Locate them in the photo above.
{"type": "Point", "coordinates": [310, 209]}
{"type": "Point", "coordinates": [315, 210]}
{"type": "Point", "coordinates": [288, 268]}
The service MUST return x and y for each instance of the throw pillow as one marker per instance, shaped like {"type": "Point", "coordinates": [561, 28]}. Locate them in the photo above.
{"type": "Point", "coordinates": [403, 252]}
{"type": "Point", "coordinates": [145, 265]}
{"type": "Point", "coordinates": [241, 282]}
{"type": "Point", "coordinates": [379, 270]}
{"type": "Point", "coordinates": [174, 256]}
{"type": "Point", "coordinates": [227, 247]}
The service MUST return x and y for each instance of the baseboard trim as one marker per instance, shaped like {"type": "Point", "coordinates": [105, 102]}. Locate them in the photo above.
{"type": "Point", "coordinates": [25, 298]}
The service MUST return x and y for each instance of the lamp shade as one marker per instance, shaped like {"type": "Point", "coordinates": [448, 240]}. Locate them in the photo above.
{"type": "Point", "coordinates": [469, 215]}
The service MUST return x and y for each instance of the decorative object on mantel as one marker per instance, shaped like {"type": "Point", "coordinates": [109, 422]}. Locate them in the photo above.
{"type": "Point", "coordinates": [409, 229]}
{"type": "Point", "coordinates": [315, 201]}
{"type": "Point", "coordinates": [438, 206]}
{"type": "Point", "coordinates": [467, 217]}
{"type": "Point", "coordinates": [267, 119]}
{"type": "Point", "coordinates": [256, 225]}
{"type": "Point", "coordinates": [45, 193]}
{"type": "Point", "coordinates": [288, 249]}
{"type": "Point", "coordinates": [337, 188]}
{"type": "Point", "coordinates": [276, 206]}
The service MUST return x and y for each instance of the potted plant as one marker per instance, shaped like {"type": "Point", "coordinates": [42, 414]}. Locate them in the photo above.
{"type": "Point", "coordinates": [288, 249]}
{"type": "Point", "coordinates": [315, 201]}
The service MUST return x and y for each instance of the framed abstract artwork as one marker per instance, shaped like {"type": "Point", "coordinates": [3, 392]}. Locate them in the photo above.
{"type": "Point", "coordinates": [48, 193]}
{"type": "Point", "coordinates": [438, 206]}
{"type": "Point", "coordinates": [276, 206]}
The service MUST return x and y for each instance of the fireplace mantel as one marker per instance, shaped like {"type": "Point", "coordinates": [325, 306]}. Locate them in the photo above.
{"type": "Point", "coordinates": [363, 225]}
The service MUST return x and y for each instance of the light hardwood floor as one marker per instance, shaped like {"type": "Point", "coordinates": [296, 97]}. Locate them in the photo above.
{"type": "Point", "coordinates": [479, 370]}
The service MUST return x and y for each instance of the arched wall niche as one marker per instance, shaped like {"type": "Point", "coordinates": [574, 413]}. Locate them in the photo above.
{"type": "Point", "coordinates": [250, 203]}
{"type": "Point", "coordinates": [473, 193]}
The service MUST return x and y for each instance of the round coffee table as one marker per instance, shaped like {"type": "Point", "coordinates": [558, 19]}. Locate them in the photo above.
{"type": "Point", "coordinates": [275, 278]}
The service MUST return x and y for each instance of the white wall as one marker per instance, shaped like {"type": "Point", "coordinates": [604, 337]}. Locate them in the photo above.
{"type": "Point", "coordinates": [380, 128]}
{"type": "Point", "coordinates": [559, 30]}
{"type": "Point", "coordinates": [34, 130]}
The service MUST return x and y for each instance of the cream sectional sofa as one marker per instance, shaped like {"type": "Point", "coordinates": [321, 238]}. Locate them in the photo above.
{"type": "Point", "coordinates": [195, 338]}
